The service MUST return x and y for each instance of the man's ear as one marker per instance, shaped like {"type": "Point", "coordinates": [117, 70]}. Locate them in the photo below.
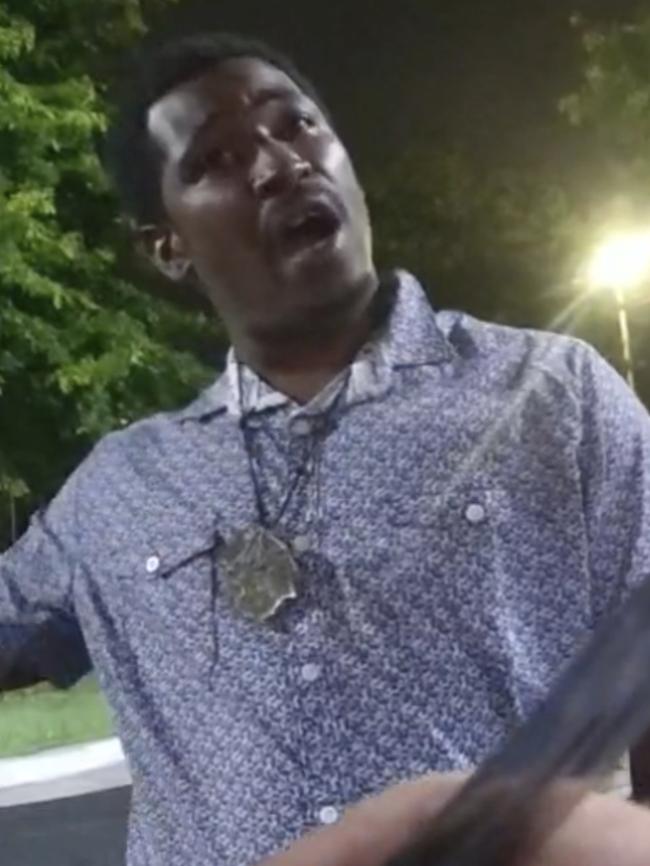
{"type": "Point", "coordinates": [164, 249]}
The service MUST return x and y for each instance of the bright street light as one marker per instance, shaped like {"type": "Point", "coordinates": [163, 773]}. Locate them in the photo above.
{"type": "Point", "coordinates": [621, 264]}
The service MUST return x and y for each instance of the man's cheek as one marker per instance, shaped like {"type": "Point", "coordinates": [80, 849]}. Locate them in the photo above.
{"type": "Point", "coordinates": [335, 160]}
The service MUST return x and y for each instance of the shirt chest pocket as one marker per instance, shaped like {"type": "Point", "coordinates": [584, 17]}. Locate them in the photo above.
{"type": "Point", "coordinates": [164, 595]}
{"type": "Point", "coordinates": [442, 543]}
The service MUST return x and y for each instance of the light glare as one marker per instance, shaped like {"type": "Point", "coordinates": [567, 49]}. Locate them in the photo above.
{"type": "Point", "coordinates": [621, 262]}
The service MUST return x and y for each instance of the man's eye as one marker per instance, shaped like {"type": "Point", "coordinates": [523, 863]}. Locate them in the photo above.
{"type": "Point", "coordinates": [306, 120]}
{"type": "Point", "coordinates": [213, 159]}
{"type": "Point", "coordinates": [297, 122]}
{"type": "Point", "coordinates": [192, 170]}
{"type": "Point", "coordinates": [216, 158]}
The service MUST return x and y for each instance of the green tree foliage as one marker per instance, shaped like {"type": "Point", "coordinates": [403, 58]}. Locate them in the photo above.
{"type": "Point", "coordinates": [82, 349]}
{"type": "Point", "coordinates": [612, 103]}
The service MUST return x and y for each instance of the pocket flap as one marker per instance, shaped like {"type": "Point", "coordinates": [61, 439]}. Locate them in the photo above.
{"type": "Point", "coordinates": [158, 554]}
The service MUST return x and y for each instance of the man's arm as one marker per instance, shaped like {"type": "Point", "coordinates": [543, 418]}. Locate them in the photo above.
{"type": "Point", "coordinates": [601, 831]}
{"type": "Point", "coordinates": [40, 638]}
{"type": "Point", "coordinates": [615, 465]}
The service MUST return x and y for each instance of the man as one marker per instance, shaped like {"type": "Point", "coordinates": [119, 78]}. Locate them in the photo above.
{"type": "Point", "coordinates": [366, 552]}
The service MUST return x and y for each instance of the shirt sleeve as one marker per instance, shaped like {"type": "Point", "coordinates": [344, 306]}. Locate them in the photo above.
{"type": "Point", "coordinates": [40, 637]}
{"type": "Point", "coordinates": [615, 467]}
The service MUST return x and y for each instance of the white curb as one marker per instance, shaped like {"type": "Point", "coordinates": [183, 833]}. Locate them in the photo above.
{"type": "Point", "coordinates": [63, 772]}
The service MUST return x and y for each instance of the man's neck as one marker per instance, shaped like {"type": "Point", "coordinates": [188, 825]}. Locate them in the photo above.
{"type": "Point", "coordinates": [301, 367]}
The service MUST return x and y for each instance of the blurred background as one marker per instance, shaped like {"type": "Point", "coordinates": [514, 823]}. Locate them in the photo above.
{"type": "Point", "coordinates": [504, 147]}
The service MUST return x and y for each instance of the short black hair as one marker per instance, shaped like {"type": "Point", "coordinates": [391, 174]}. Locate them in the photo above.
{"type": "Point", "coordinates": [129, 157]}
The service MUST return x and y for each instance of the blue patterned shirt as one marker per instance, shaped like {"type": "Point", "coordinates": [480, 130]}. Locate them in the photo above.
{"type": "Point", "coordinates": [480, 499]}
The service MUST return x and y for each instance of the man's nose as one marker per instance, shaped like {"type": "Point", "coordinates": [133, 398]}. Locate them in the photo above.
{"type": "Point", "coordinates": [277, 168]}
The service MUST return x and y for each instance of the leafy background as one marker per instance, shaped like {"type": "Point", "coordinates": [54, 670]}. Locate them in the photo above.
{"type": "Point", "coordinates": [83, 349]}
{"type": "Point", "coordinates": [91, 340]}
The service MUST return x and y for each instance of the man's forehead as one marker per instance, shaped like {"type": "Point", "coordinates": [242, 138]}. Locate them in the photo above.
{"type": "Point", "coordinates": [226, 89]}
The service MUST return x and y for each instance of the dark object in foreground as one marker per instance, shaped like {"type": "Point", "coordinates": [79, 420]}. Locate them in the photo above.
{"type": "Point", "coordinates": [599, 707]}
{"type": "Point", "coordinates": [640, 769]}
{"type": "Point", "coordinates": [76, 831]}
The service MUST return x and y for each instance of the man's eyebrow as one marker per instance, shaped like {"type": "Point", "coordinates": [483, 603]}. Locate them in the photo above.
{"type": "Point", "coordinates": [268, 94]}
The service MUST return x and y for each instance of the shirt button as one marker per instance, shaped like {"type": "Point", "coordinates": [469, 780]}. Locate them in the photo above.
{"type": "Point", "coordinates": [328, 815]}
{"type": "Point", "coordinates": [152, 564]}
{"type": "Point", "coordinates": [302, 427]}
{"type": "Point", "coordinates": [301, 544]}
{"type": "Point", "coordinates": [475, 513]}
{"type": "Point", "coordinates": [310, 672]}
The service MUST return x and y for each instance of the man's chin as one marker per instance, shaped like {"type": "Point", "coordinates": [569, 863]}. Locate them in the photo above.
{"type": "Point", "coordinates": [318, 275]}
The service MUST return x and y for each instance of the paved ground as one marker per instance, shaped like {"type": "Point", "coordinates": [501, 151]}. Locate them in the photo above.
{"type": "Point", "coordinates": [76, 831]}
{"type": "Point", "coordinates": [77, 785]}
{"type": "Point", "coordinates": [63, 772]}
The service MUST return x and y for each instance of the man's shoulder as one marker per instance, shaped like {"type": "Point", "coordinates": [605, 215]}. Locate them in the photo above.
{"type": "Point", "coordinates": [162, 428]}
{"type": "Point", "coordinates": [497, 336]}
{"type": "Point", "coordinates": [140, 434]}
{"type": "Point", "coordinates": [524, 348]}
{"type": "Point", "coordinates": [137, 445]}
{"type": "Point", "coordinates": [126, 470]}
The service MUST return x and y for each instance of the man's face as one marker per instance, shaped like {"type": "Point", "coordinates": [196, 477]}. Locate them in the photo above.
{"type": "Point", "coordinates": [261, 197]}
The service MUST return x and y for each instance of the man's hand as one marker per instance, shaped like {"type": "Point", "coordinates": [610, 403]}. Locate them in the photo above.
{"type": "Point", "coordinates": [601, 831]}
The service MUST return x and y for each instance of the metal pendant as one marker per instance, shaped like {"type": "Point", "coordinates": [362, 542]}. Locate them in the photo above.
{"type": "Point", "coordinates": [259, 573]}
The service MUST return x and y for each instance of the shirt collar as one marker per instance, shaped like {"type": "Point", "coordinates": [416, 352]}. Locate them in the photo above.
{"type": "Point", "coordinates": [414, 337]}
{"type": "Point", "coordinates": [411, 338]}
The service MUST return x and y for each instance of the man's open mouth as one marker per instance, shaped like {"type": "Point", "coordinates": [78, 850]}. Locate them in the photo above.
{"type": "Point", "coordinates": [315, 223]}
